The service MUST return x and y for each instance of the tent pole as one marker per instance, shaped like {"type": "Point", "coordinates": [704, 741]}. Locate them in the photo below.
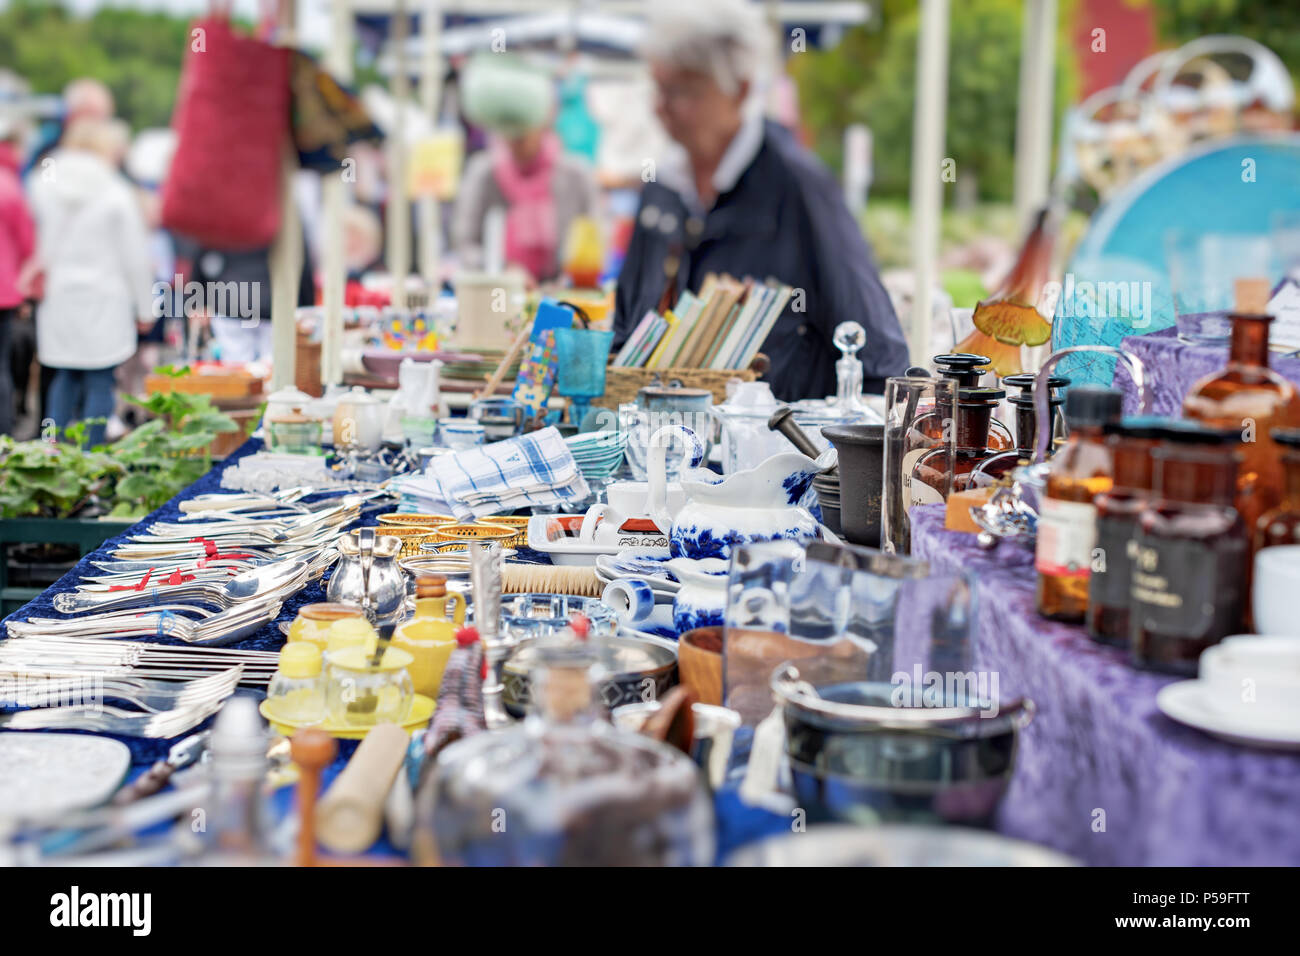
{"type": "Point", "coordinates": [927, 170]}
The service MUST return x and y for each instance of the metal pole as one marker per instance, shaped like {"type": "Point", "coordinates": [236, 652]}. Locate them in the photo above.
{"type": "Point", "coordinates": [428, 210]}
{"type": "Point", "coordinates": [286, 254]}
{"type": "Point", "coordinates": [399, 209]}
{"type": "Point", "coordinates": [927, 171]}
{"type": "Point", "coordinates": [1034, 112]}
{"type": "Point", "coordinates": [338, 61]}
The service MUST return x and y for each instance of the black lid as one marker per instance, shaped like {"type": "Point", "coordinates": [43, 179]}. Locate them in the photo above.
{"type": "Point", "coordinates": [1025, 380]}
{"type": "Point", "coordinates": [1186, 432]}
{"type": "Point", "coordinates": [1092, 405]}
{"type": "Point", "coordinates": [980, 395]}
{"type": "Point", "coordinates": [1026, 400]}
{"type": "Point", "coordinates": [1290, 437]}
{"type": "Point", "coordinates": [961, 361]}
{"type": "Point", "coordinates": [1139, 426]}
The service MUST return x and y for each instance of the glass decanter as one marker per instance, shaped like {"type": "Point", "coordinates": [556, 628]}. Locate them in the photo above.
{"type": "Point", "coordinates": [849, 338]}
{"type": "Point", "coordinates": [565, 787]}
{"type": "Point", "coordinates": [965, 370]}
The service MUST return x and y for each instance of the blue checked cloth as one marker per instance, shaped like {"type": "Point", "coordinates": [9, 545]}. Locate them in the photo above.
{"type": "Point", "coordinates": [536, 469]}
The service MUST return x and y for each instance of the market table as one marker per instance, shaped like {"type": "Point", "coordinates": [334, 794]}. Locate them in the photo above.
{"type": "Point", "coordinates": [1102, 775]}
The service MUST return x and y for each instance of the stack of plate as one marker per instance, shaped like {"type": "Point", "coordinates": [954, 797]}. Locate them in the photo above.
{"type": "Point", "coordinates": [598, 454]}
{"type": "Point", "coordinates": [828, 496]}
{"type": "Point", "coordinates": [648, 564]}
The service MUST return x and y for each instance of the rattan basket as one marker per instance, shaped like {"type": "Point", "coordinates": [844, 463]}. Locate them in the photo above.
{"type": "Point", "coordinates": [622, 384]}
{"type": "Point", "coordinates": [410, 536]}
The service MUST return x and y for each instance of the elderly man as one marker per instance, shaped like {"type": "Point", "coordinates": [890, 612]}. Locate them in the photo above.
{"type": "Point", "coordinates": [740, 196]}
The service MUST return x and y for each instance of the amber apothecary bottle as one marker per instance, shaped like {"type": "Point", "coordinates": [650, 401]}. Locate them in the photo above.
{"type": "Point", "coordinates": [965, 369]}
{"type": "Point", "coordinates": [1067, 521]}
{"type": "Point", "coordinates": [970, 446]}
{"type": "Point", "coordinates": [1281, 525]}
{"type": "Point", "coordinates": [996, 467]}
{"type": "Point", "coordinates": [1190, 559]}
{"type": "Point", "coordinates": [1110, 582]}
{"type": "Point", "coordinates": [1252, 399]}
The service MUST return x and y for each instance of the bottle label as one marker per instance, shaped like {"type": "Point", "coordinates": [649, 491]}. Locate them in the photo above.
{"type": "Point", "coordinates": [1112, 563]}
{"type": "Point", "coordinates": [915, 491]}
{"type": "Point", "coordinates": [1187, 588]}
{"type": "Point", "coordinates": [1067, 532]}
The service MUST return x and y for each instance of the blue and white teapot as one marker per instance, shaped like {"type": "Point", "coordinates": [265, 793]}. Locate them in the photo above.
{"type": "Point", "coordinates": [769, 502]}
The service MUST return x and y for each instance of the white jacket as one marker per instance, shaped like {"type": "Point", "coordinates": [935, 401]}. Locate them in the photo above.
{"type": "Point", "coordinates": [92, 241]}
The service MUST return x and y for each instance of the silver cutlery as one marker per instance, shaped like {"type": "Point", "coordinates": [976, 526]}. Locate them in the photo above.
{"type": "Point", "coordinates": [151, 695]}
{"type": "Point", "coordinates": [279, 579]}
{"type": "Point", "coordinates": [112, 720]}
{"type": "Point", "coordinates": [225, 627]}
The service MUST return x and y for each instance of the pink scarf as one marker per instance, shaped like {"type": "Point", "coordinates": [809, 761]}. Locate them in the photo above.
{"type": "Point", "coordinates": [531, 228]}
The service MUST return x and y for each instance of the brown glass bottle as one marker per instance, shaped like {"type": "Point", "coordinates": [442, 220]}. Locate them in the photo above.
{"type": "Point", "coordinates": [965, 369]}
{"type": "Point", "coordinates": [1281, 525]}
{"type": "Point", "coordinates": [1118, 510]}
{"type": "Point", "coordinates": [1067, 522]}
{"type": "Point", "coordinates": [970, 445]}
{"type": "Point", "coordinates": [1190, 558]}
{"type": "Point", "coordinates": [1251, 398]}
{"type": "Point", "coordinates": [996, 467]}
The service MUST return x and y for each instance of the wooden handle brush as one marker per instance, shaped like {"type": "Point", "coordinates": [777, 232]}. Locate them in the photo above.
{"type": "Point", "coordinates": [520, 578]}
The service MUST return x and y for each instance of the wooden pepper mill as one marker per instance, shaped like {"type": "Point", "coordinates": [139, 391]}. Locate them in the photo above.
{"type": "Point", "coordinates": [312, 751]}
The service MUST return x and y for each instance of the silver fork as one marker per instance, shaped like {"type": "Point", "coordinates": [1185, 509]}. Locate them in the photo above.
{"type": "Point", "coordinates": [112, 720]}
{"type": "Point", "coordinates": [225, 627]}
{"type": "Point", "coordinates": [152, 695]}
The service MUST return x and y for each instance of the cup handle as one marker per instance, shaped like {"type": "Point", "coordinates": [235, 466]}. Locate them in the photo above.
{"type": "Point", "coordinates": [587, 533]}
{"type": "Point", "coordinates": [457, 600]}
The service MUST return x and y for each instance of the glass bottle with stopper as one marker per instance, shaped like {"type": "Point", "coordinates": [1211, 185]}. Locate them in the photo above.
{"type": "Point", "coordinates": [565, 787]}
{"type": "Point", "coordinates": [940, 468]}
{"type": "Point", "coordinates": [1067, 521]}
{"type": "Point", "coordinates": [965, 370]}
{"type": "Point", "coordinates": [1250, 397]}
{"type": "Point", "coordinates": [1281, 525]}
{"type": "Point", "coordinates": [996, 467]}
{"type": "Point", "coordinates": [849, 338]}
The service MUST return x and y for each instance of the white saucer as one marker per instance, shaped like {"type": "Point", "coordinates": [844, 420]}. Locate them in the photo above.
{"type": "Point", "coordinates": [1188, 703]}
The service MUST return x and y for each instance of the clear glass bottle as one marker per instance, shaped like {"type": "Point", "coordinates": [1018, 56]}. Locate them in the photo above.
{"type": "Point", "coordinates": [996, 467]}
{"type": "Point", "coordinates": [297, 688]}
{"type": "Point", "coordinates": [965, 370]}
{"type": "Point", "coordinates": [1251, 398]}
{"type": "Point", "coordinates": [1067, 524]}
{"type": "Point", "coordinates": [565, 787]}
{"type": "Point", "coordinates": [1118, 510]}
{"type": "Point", "coordinates": [970, 447]}
{"type": "Point", "coordinates": [1281, 525]}
{"type": "Point", "coordinates": [1190, 561]}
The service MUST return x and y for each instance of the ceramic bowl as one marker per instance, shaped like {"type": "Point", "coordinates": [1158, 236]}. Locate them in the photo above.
{"type": "Point", "coordinates": [699, 663]}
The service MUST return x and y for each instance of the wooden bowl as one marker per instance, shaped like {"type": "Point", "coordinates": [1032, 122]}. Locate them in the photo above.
{"type": "Point", "coordinates": [699, 663]}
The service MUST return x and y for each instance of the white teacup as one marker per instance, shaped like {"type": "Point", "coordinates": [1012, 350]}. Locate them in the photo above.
{"type": "Point", "coordinates": [630, 497]}
{"type": "Point", "coordinates": [1255, 679]}
{"type": "Point", "coordinates": [1274, 589]}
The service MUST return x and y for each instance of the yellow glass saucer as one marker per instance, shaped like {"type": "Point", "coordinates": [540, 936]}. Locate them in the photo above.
{"type": "Point", "coordinates": [421, 711]}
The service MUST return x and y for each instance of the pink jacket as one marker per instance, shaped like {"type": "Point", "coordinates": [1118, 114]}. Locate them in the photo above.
{"type": "Point", "coordinates": [17, 234]}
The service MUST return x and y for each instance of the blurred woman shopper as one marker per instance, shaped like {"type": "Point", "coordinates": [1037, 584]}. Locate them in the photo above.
{"type": "Point", "coordinates": [524, 171]}
{"type": "Point", "coordinates": [738, 195]}
{"type": "Point", "coordinates": [93, 248]}
{"type": "Point", "coordinates": [17, 243]}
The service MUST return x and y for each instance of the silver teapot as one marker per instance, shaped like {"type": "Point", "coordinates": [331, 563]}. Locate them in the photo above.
{"type": "Point", "coordinates": [367, 575]}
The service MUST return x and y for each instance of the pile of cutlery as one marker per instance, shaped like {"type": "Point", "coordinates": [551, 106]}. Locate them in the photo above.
{"type": "Point", "coordinates": [27, 657]}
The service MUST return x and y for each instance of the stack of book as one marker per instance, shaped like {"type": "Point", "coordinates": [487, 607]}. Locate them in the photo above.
{"type": "Point", "coordinates": [721, 327]}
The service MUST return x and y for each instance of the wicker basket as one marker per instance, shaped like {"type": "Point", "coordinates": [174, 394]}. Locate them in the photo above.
{"type": "Point", "coordinates": [622, 384]}
{"type": "Point", "coordinates": [411, 538]}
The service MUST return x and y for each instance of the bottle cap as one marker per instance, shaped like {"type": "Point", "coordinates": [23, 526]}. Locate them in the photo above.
{"type": "Point", "coordinates": [1138, 426]}
{"type": "Point", "coordinates": [1250, 296]}
{"type": "Point", "coordinates": [431, 586]}
{"type": "Point", "coordinates": [1289, 437]}
{"type": "Point", "coordinates": [965, 367]}
{"type": "Point", "coordinates": [467, 636]}
{"type": "Point", "coordinates": [1184, 432]}
{"type": "Point", "coordinates": [1092, 405]}
{"type": "Point", "coordinates": [300, 659]}
{"type": "Point", "coordinates": [980, 395]}
{"type": "Point", "coordinates": [1025, 381]}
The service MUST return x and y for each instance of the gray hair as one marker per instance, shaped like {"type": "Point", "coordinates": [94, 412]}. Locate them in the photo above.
{"type": "Point", "coordinates": [726, 39]}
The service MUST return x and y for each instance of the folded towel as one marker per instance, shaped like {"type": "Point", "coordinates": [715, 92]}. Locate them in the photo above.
{"type": "Point", "coordinates": [535, 469]}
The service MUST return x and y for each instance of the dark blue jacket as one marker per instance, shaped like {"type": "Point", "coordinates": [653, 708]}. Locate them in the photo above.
{"type": "Point", "coordinates": [784, 219]}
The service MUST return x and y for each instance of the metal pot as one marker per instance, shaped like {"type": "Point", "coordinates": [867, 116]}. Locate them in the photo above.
{"type": "Point", "coordinates": [367, 575]}
{"type": "Point", "coordinates": [637, 670]}
{"type": "Point", "coordinates": [856, 755]}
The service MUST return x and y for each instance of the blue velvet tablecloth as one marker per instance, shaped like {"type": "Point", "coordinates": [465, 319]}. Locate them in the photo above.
{"type": "Point", "coordinates": [1098, 752]}
{"type": "Point", "coordinates": [737, 823]}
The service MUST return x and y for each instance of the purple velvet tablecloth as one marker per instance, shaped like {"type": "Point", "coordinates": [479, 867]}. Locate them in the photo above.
{"type": "Point", "coordinates": [1098, 752]}
{"type": "Point", "coordinates": [1174, 367]}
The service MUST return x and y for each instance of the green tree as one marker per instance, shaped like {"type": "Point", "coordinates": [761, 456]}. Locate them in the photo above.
{"type": "Point", "coordinates": [871, 78]}
{"type": "Point", "coordinates": [1274, 23]}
